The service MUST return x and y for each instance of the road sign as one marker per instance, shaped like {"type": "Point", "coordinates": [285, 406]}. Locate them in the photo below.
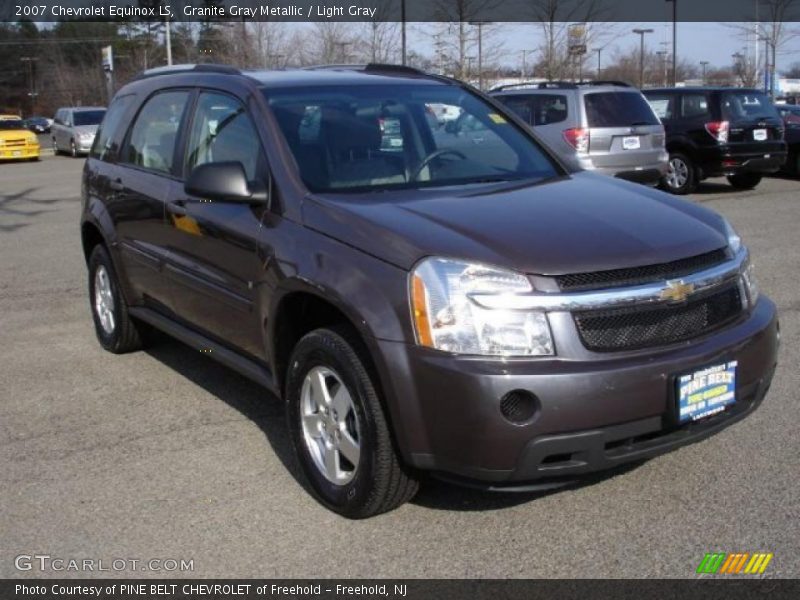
{"type": "Point", "coordinates": [108, 58]}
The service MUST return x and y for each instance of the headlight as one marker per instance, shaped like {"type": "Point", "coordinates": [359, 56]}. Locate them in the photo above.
{"type": "Point", "coordinates": [87, 136]}
{"type": "Point", "coordinates": [446, 318]}
{"type": "Point", "coordinates": [750, 282]}
{"type": "Point", "coordinates": [734, 241]}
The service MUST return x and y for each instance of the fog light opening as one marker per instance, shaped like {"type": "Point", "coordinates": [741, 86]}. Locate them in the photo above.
{"type": "Point", "coordinates": [519, 406]}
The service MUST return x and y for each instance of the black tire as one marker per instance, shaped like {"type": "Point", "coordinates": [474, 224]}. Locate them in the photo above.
{"type": "Point", "coordinates": [676, 181]}
{"type": "Point", "coordinates": [126, 335]}
{"type": "Point", "coordinates": [744, 181]}
{"type": "Point", "coordinates": [380, 482]}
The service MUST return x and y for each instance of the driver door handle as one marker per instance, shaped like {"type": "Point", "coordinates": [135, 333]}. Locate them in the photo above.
{"type": "Point", "coordinates": [116, 185]}
{"type": "Point", "coordinates": [177, 207]}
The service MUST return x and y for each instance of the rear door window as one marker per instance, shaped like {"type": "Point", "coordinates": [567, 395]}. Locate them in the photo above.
{"type": "Point", "coordinates": [618, 109]}
{"type": "Point", "coordinates": [538, 109]}
{"type": "Point", "coordinates": [694, 106]}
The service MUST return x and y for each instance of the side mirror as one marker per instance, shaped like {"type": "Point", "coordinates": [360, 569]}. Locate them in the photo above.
{"type": "Point", "coordinates": [224, 182]}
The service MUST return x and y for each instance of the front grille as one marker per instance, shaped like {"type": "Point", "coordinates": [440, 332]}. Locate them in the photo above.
{"type": "Point", "coordinates": [637, 327]}
{"type": "Point", "coordinates": [15, 143]}
{"type": "Point", "coordinates": [641, 275]}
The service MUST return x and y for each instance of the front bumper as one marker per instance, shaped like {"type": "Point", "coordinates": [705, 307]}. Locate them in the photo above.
{"type": "Point", "coordinates": [596, 412]}
{"type": "Point", "coordinates": [19, 152]}
{"type": "Point", "coordinates": [84, 146]}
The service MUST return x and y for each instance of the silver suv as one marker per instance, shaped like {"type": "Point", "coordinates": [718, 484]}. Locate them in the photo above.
{"type": "Point", "coordinates": [603, 126]}
{"type": "Point", "coordinates": [74, 129]}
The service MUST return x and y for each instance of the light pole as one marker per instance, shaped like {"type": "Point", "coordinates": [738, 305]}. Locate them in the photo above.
{"type": "Point", "coordinates": [674, 41]}
{"type": "Point", "coordinates": [524, 62]}
{"type": "Point", "coordinates": [769, 69]}
{"type": "Point", "coordinates": [704, 64]}
{"type": "Point", "coordinates": [641, 33]}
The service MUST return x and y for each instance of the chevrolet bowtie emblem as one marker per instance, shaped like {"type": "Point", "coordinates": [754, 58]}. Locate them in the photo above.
{"type": "Point", "coordinates": [677, 291]}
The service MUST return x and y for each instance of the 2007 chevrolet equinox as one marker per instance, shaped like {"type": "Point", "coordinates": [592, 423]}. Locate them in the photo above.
{"type": "Point", "coordinates": [423, 300]}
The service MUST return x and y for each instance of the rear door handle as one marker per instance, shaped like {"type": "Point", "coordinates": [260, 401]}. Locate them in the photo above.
{"type": "Point", "coordinates": [116, 185]}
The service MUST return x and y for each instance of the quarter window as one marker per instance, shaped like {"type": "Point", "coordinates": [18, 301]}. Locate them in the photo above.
{"type": "Point", "coordinates": [222, 132]}
{"type": "Point", "coordinates": [694, 105]}
{"type": "Point", "coordinates": [108, 128]}
{"type": "Point", "coordinates": [155, 132]}
{"type": "Point", "coordinates": [663, 105]}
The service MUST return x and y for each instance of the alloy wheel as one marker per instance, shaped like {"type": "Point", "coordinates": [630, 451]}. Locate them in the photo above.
{"type": "Point", "coordinates": [330, 425]}
{"type": "Point", "coordinates": [678, 173]}
{"type": "Point", "coordinates": [104, 300]}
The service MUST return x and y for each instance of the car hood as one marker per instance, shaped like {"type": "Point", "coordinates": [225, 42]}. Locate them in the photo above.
{"type": "Point", "coordinates": [578, 223]}
{"type": "Point", "coordinates": [15, 134]}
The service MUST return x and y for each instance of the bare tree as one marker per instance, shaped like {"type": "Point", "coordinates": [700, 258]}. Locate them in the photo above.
{"type": "Point", "coordinates": [553, 18]}
{"type": "Point", "coordinates": [335, 42]}
{"type": "Point", "coordinates": [379, 39]}
{"type": "Point", "coordinates": [457, 38]}
{"type": "Point", "coordinates": [775, 29]}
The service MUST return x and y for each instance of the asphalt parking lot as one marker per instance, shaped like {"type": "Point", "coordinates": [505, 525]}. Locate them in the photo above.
{"type": "Point", "coordinates": [165, 454]}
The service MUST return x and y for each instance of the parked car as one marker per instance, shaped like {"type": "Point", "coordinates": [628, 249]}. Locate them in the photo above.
{"type": "Point", "coordinates": [16, 142]}
{"type": "Point", "coordinates": [790, 114]}
{"type": "Point", "coordinates": [74, 129]}
{"type": "Point", "coordinates": [491, 318]}
{"type": "Point", "coordinates": [606, 127]}
{"type": "Point", "coordinates": [711, 132]}
{"type": "Point", "coordinates": [37, 124]}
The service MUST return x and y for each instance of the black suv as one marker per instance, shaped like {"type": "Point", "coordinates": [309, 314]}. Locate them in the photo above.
{"type": "Point", "coordinates": [718, 131]}
{"type": "Point", "coordinates": [422, 301]}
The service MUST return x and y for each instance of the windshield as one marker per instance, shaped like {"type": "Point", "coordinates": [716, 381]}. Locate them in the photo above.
{"type": "Point", "coordinates": [381, 137]}
{"type": "Point", "coordinates": [747, 105]}
{"type": "Point", "coordinates": [88, 117]}
{"type": "Point", "coordinates": [618, 109]}
{"type": "Point", "coordinates": [11, 124]}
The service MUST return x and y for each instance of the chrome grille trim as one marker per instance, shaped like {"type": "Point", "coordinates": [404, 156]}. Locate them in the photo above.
{"type": "Point", "coordinates": [703, 281]}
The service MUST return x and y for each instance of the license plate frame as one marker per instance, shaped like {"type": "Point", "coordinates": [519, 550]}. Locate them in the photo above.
{"type": "Point", "coordinates": [705, 392]}
{"type": "Point", "coordinates": [631, 142]}
{"type": "Point", "coordinates": [760, 135]}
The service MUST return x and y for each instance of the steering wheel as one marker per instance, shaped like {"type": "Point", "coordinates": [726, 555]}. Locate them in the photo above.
{"type": "Point", "coordinates": [433, 155]}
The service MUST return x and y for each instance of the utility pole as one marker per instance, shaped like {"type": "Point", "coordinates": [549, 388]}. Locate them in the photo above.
{"type": "Point", "coordinates": [674, 41]}
{"type": "Point", "coordinates": [641, 33]}
{"type": "Point", "coordinates": [168, 41]}
{"type": "Point", "coordinates": [663, 55]}
{"type": "Point", "coordinates": [598, 50]}
{"type": "Point", "coordinates": [403, 30]}
{"type": "Point", "coordinates": [479, 25]}
{"type": "Point", "coordinates": [31, 81]}
{"type": "Point", "coordinates": [704, 64]}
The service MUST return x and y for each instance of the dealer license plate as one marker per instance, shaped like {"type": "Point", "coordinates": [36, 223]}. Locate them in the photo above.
{"type": "Point", "coordinates": [706, 392]}
{"type": "Point", "coordinates": [759, 135]}
{"type": "Point", "coordinates": [16, 153]}
{"type": "Point", "coordinates": [631, 142]}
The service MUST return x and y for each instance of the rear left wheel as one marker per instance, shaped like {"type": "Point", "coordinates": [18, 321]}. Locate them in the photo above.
{"type": "Point", "coordinates": [116, 331]}
{"type": "Point", "coordinates": [744, 181]}
{"type": "Point", "coordinates": [339, 429]}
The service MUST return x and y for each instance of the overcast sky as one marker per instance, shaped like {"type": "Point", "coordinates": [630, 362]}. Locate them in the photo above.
{"type": "Point", "coordinates": [714, 42]}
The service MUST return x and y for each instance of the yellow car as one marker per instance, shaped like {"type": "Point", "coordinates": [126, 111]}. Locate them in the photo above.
{"type": "Point", "coordinates": [16, 142]}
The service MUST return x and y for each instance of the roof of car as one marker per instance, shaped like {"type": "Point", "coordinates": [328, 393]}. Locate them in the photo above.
{"type": "Point", "coordinates": [361, 74]}
{"type": "Point", "coordinates": [701, 88]}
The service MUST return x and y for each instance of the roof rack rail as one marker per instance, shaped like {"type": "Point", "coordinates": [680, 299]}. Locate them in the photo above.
{"type": "Point", "coordinates": [507, 86]}
{"type": "Point", "coordinates": [189, 68]}
{"type": "Point", "coordinates": [367, 67]}
{"type": "Point", "coordinates": [606, 82]}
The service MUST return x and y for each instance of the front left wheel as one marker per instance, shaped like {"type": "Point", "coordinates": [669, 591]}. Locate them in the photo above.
{"type": "Point", "coordinates": [116, 331]}
{"type": "Point", "coordinates": [339, 429]}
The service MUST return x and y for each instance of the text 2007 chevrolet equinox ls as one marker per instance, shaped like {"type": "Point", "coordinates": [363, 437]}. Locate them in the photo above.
{"type": "Point", "coordinates": [422, 301]}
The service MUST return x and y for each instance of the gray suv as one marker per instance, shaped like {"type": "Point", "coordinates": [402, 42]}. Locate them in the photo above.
{"type": "Point", "coordinates": [74, 129]}
{"type": "Point", "coordinates": [603, 126]}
